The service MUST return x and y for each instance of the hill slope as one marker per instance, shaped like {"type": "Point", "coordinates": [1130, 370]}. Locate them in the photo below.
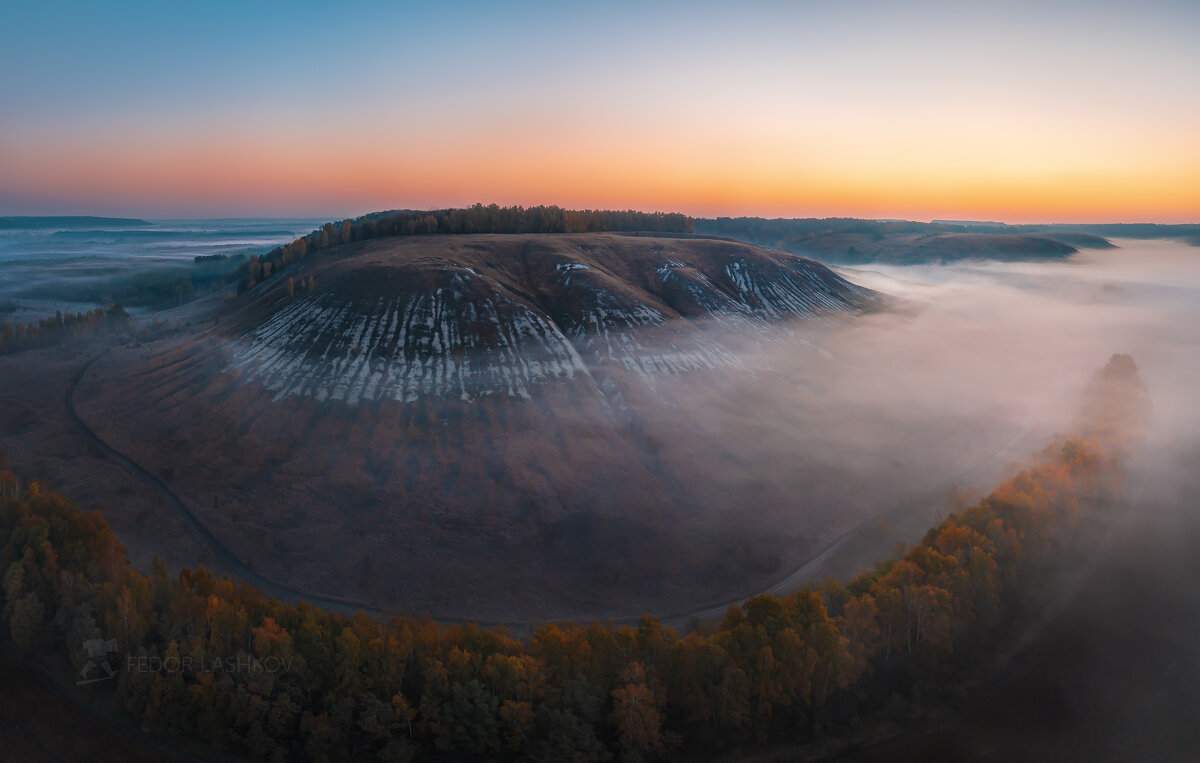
{"type": "Point", "coordinates": [499, 314]}
{"type": "Point", "coordinates": [492, 426]}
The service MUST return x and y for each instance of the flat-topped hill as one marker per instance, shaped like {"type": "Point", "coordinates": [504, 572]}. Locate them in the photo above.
{"type": "Point", "coordinates": [465, 316]}
{"type": "Point", "coordinates": [501, 427]}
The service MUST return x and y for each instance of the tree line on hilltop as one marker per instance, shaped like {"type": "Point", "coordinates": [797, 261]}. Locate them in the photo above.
{"type": "Point", "coordinates": [475, 219]}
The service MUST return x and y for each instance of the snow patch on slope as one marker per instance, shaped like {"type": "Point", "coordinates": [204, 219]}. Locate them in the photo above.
{"type": "Point", "coordinates": [469, 336]}
{"type": "Point", "coordinates": [442, 344]}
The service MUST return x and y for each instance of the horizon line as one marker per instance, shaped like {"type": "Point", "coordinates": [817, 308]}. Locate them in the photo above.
{"type": "Point", "coordinates": [327, 218]}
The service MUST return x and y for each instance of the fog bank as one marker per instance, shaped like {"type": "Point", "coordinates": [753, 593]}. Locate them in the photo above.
{"type": "Point", "coordinates": [905, 412]}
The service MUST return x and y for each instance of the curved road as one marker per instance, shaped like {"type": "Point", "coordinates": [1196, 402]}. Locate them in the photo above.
{"type": "Point", "coordinates": [221, 555]}
{"type": "Point", "coordinates": [230, 564]}
{"type": "Point", "coordinates": [803, 573]}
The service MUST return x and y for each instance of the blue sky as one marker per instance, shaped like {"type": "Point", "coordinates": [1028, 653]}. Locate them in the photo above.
{"type": "Point", "coordinates": [772, 108]}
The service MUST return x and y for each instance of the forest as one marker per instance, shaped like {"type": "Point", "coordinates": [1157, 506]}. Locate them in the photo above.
{"type": "Point", "coordinates": [16, 336]}
{"type": "Point", "coordinates": [205, 657]}
{"type": "Point", "coordinates": [154, 286]}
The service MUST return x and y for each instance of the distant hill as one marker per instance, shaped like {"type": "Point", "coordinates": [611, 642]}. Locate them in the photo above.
{"type": "Point", "coordinates": [1188, 233]}
{"type": "Point", "coordinates": [969, 223]}
{"type": "Point", "coordinates": [847, 241]}
{"type": "Point", "coordinates": [69, 221]}
{"type": "Point", "coordinates": [1091, 235]}
{"type": "Point", "coordinates": [1076, 239]}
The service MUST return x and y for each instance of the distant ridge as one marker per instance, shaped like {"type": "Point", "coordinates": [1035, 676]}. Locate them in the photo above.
{"type": "Point", "coordinates": [855, 242]}
{"type": "Point", "coordinates": [971, 223]}
{"type": "Point", "coordinates": [68, 221]}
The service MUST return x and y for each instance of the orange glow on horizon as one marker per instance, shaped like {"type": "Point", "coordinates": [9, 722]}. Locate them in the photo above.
{"type": "Point", "coordinates": [1021, 112]}
{"type": "Point", "coordinates": [774, 176]}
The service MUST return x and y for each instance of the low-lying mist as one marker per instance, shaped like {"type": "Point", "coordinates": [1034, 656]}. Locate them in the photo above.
{"type": "Point", "coordinates": [1026, 336]}
{"type": "Point", "coordinates": [905, 412]}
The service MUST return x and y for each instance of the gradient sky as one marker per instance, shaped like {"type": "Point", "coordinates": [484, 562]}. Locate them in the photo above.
{"type": "Point", "coordinates": [1046, 111]}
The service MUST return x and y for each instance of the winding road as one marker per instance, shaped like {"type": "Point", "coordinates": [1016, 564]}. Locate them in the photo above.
{"type": "Point", "coordinates": [221, 555]}
{"type": "Point", "coordinates": [232, 565]}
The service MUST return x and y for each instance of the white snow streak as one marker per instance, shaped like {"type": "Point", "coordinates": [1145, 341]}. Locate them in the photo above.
{"type": "Point", "coordinates": [453, 343]}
